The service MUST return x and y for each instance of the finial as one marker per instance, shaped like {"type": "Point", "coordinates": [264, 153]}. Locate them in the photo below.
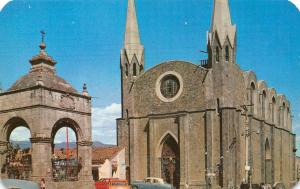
{"type": "Point", "coordinates": [43, 45]}
{"type": "Point", "coordinates": [84, 90]}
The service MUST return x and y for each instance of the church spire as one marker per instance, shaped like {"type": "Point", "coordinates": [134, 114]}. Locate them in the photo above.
{"type": "Point", "coordinates": [221, 22]}
{"type": "Point", "coordinates": [222, 35]}
{"type": "Point", "coordinates": [132, 55]}
{"type": "Point", "coordinates": [132, 35]}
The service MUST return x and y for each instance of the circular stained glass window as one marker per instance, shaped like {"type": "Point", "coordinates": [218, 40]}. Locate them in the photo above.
{"type": "Point", "coordinates": [170, 86]}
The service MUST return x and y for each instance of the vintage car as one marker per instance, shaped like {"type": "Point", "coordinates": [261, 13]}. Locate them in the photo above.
{"type": "Point", "coordinates": [111, 183]}
{"type": "Point", "coordinates": [151, 183]}
{"type": "Point", "coordinates": [18, 184]}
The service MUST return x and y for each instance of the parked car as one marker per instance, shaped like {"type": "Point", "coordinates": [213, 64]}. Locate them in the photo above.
{"type": "Point", "coordinates": [151, 183]}
{"type": "Point", "coordinates": [18, 184]}
{"type": "Point", "coordinates": [112, 183]}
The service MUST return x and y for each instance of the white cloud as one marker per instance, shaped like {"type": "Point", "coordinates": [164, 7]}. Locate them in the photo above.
{"type": "Point", "coordinates": [3, 3]}
{"type": "Point", "coordinates": [104, 123]}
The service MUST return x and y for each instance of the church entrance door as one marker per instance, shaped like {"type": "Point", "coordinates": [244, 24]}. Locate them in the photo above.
{"type": "Point", "coordinates": [170, 169]}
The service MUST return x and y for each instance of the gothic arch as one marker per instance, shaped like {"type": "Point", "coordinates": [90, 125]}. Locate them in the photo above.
{"type": "Point", "coordinates": [268, 162]}
{"type": "Point", "coordinates": [273, 102]}
{"type": "Point", "coordinates": [263, 94]}
{"type": "Point", "coordinates": [170, 160]}
{"type": "Point", "coordinates": [162, 140]}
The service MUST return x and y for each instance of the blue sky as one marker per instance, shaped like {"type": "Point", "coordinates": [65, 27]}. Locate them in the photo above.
{"type": "Point", "coordinates": [85, 38]}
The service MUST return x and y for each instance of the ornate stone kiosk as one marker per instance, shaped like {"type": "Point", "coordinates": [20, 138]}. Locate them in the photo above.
{"type": "Point", "coordinates": [43, 102]}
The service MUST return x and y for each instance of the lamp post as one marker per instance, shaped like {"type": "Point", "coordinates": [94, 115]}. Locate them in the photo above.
{"type": "Point", "coordinates": [247, 133]}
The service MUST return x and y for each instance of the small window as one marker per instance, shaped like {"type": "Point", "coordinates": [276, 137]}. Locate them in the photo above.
{"type": "Point", "coordinates": [134, 69]}
{"type": "Point", "coordinates": [126, 69]}
{"type": "Point", "coordinates": [227, 53]}
{"type": "Point", "coordinates": [217, 54]}
{"type": "Point", "coordinates": [273, 109]}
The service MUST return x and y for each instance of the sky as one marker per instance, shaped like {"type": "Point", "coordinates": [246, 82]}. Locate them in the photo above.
{"type": "Point", "coordinates": [85, 38]}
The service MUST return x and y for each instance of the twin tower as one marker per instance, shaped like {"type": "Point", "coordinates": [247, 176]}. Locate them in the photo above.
{"type": "Point", "coordinates": [221, 44]}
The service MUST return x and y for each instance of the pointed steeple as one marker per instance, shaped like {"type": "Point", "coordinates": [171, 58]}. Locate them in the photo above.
{"type": "Point", "coordinates": [221, 22]}
{"type": "Point", "coordinates": [132, 35]}
{"type": "Point", "coordinates": [222, 35]}
{"type": "Point", "coordinates": [134, 50]}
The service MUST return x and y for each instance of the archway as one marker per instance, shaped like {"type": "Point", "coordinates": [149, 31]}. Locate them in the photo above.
{"type": "Point", "coordinates": [65, 163]}
{"type": "Point", "coordinates": [18, 161]}
{"type": "Point", "coordinates": [268, 163]}
{"type": "Point", "coordinates": [170, 161]}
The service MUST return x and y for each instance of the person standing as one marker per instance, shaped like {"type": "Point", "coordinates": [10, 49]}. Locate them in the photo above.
{"type": "Point", "coordinates": [43, 184]}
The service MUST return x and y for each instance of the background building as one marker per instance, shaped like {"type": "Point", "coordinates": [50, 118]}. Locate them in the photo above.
{"type": "Point", "coordinates": [203, 125]}
{"type": "Point", "coordinates": [109, 162]}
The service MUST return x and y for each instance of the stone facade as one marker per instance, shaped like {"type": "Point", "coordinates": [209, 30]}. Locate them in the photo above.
{"type": "Point", "coordinates": [225, 126]}
{"type": "Point", "coordinates": [44, 103]}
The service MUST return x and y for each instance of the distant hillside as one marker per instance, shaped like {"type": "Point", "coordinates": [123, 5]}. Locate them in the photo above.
{"type": "Point", "coordinates": [27, 144]}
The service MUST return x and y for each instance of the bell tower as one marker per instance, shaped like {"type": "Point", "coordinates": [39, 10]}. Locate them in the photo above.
{"type": "Point", "coordinates": [131, 59]}
{"type": "Point", "coordinates": [221, 45]}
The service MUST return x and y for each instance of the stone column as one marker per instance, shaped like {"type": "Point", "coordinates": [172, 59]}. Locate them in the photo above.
{"type": "Point", "coordinates": [85, 178]}
{"type": "Point", "coordinates": [3, 148]}
{"type": "Point", "coordinates": [41, 159]}
{"type": "Point", "coordinates": [184, 151]}
{"type": "Point", "coordinates": [152, 159]}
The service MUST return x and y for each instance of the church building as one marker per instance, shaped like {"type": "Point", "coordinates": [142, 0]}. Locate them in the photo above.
{"type": "Point", "coordinates": [203, 126]}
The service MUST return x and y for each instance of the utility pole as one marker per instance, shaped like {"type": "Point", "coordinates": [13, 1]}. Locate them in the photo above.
{"type": "Point", "coordinates": [247, 133]}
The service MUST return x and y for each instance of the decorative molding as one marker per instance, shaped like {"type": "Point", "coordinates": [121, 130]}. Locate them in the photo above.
{"type": "Point", "coordinates": [85, 143]}
{"type": "Point", "coordinates": [40, 140]}
{"type": "Point", "coordinates": [3, 143]}
{"type": "Point", "coordinates": [67, 102]}
{"type": "Point", "coordinates": [159, 82]}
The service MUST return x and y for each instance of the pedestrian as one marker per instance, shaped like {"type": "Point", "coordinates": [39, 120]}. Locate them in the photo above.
{"type": "Point", "coordinates": [43, 184]}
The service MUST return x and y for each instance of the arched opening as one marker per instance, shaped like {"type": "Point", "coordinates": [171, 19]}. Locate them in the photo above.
{"type": "Point", "coordinates": [273, 109]}
{"type": "Point", "coordinates": [18, 162]}
{"type": "Point", "coordinates": [252, 97]}
{"type": "Point", "coordinates": [134, 69]}
{"type": "Point", "coordinates": [268, 163]}
{"type": "Point", "coordinates": [217, 54]}
{"type": "Point", "coordinates": [126, 69]}
{"type": "Point", "coordinates": [227, 55]}
{"type": "Point", "coordinates": [170, 161]}
{"type": "Point", "coordinates": [65, 162]}
{"type": "Point", "coordinates": [283, 115]}
{"type": "Point", "coordinates": [263, 103]}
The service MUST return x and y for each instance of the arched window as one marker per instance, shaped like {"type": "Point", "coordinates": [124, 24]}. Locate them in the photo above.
{"type": "Point", "coordinates": [273, 109]}
{"type": "Point", "coordinates": [263, 103]}
{"type": "Point", "coordinates": [268, 163]}
{"type": "Point", "coordinates": [283, 112]}
{"type": "Point", "coordinates": [217, 54]}
{"type": "Point", "coordinates": [134, 69]}
{"type": "Point", "coordinates": [126, 69]}
{"type": "Point", "coordinates": [252, 96]}
{"type": "Point", "coordinates": [227, 53]}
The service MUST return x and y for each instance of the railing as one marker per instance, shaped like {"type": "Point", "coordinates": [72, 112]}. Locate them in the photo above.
{"type": "Point", "coordinates": [22, 172]}
{"type": "Point", "coordinates": [65, 170]}
{"type": "Point", "coordinates": [204, 62]}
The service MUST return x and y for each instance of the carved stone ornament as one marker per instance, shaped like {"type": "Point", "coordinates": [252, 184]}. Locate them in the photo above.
{"type": "Point", "coordinates": [67, 102]}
